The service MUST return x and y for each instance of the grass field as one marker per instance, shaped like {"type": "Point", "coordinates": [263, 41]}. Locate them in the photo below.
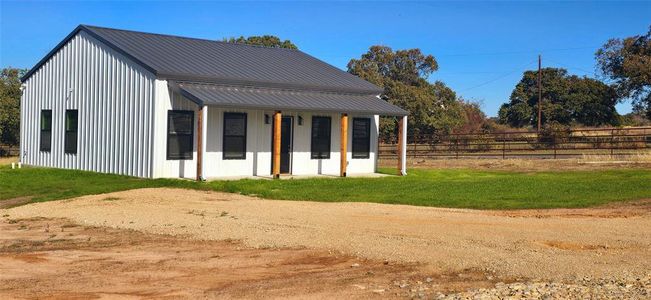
{"type": "Point", "coordinates": [424, 187]}
{"type": "Point", "coordinates": [43, 184]}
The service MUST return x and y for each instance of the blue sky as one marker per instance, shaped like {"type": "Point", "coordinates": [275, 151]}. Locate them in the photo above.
{"type": "Point", "coordinates": [482, 47]}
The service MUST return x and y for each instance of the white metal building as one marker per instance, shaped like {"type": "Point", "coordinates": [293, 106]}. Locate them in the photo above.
{"type": "Point", "coordinates": [152, 105]}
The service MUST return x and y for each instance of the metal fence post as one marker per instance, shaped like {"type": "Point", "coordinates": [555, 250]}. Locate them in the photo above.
{"type": "Point", "coordinates": [504, 146]}
{"type": "Point", "coordinates": [612, 140]}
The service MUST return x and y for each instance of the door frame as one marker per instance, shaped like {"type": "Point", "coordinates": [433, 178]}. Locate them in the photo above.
{"type": "Point", "coordinates": [291, 143]}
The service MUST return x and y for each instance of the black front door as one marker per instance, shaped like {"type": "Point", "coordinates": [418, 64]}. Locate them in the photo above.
{"type": "Point", "coordinates": [285, 144]}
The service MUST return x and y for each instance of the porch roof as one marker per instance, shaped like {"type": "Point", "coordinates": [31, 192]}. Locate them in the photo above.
{"type": "Point", "coordinates": [282, 99]}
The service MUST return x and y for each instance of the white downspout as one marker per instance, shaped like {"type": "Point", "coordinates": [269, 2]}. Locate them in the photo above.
{"type": "Point", "coordinates": [22, 147]}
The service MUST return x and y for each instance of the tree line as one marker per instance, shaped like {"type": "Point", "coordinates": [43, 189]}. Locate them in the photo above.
{"type": "Point", "coordinates": [567, 100]}
{"type": "Point", "coordinates": [434, 108]}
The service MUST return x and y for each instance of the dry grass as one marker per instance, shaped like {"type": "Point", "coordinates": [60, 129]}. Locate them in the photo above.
{"type": "Point", "coordinates": [8, 160]}
{"type": "Point", "coordinates": [587, 162]}
{"type": "Point", "coordinates": [637, 157]}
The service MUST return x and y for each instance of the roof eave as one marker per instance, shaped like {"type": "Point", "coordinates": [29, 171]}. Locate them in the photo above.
{"type": "Point", "coordinates": [264, 84]}
{"type": "Point", "coordinates": [175, 86]}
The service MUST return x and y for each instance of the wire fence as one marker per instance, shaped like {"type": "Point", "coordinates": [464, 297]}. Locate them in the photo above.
{"type": "Point", "coordinates": [519, 144]}
{"type": "Point", "coordinates": [6, 150]}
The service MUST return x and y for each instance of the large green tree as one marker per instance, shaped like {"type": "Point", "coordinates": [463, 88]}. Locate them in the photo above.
{"type": "Point", "coordinates": [628, 63]}
{"type": "Point", "coordinates": [566, 99]}
{"type": "Point", "coordinates": [433, 107]}
{"type": "Point", "coordinates": [264, 40]}
{"type": "Point", "coordinates": [10, 105]}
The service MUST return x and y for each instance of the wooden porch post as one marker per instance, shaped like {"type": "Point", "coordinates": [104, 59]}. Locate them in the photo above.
{"type": "Point", "coordinates": [200, 143]}
{"type": "Point", "coordinates": [276, 149]}
{"type": "Point", "coordinates": [402, 146]}
{"type": "Point", "coordinates": [343, 163]}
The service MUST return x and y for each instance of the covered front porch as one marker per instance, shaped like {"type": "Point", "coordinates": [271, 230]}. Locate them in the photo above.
{"type": "Point", "coordinates": [271, 133]}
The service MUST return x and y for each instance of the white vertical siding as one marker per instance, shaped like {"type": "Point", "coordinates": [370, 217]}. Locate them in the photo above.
{"type": "Point", "coordinates": [363, 165]}
{"type": "Point", "coordinates": [258, 143]}
{"type": "Point", "coordinates": [165, 101]}
{"type": "Point", "coordinates": [114, 99]}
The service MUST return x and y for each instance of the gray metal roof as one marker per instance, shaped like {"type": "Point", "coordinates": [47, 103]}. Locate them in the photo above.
{"type": "Point", "coordinates": [278, 99]}
{"type": "Point", "coordinates": [237, 75]}
{"type": "Point", "coordinates": [190, 59]}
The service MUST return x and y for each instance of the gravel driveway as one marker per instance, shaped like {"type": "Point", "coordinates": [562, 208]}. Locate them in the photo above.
{"type": "Point", "coordinates": [547, 245]}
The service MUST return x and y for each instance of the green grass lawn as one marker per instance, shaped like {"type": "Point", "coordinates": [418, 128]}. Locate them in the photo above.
{"type": "Point", "coordinates": [441, 188]}
{"type": "Point", "coordinates": [45, 184]}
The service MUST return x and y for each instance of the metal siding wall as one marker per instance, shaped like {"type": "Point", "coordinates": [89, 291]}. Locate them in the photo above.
{"type": "Point", "coordinates": [114, 98]}
{"type": "Point", "coordinates": [215, 165]}
{"type": "Point", "coordinates": [258, 159]}
{"type": "Point", "coordinates": [162, 167]}
{"type": "Point", "coordinates": [363, 165]}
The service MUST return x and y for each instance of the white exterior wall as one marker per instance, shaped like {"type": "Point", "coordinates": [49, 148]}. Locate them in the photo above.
{"type": "Point", "coordinates": [114, 99]}
{"type": "Point", "coordinates": [361, 165]}
{"type": "Point", "coordinates": [258, 143]}
{"type": "Point", "coordinates": [303, 164]}
{"type": "Point", "coordinates": [162, 167]}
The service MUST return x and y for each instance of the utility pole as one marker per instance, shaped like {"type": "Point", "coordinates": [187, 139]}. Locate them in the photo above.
{"type": "Point", "coordinates": [539, 92]}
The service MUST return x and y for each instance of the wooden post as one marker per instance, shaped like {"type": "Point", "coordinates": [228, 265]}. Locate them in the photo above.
{"type": "Point", "coordinates": [200, 143]}
{"type": "Point", "coordinates": [343, 162]}
{"type": "Point", "coordinates": [402, 146]}
{"type": "Point", "coordinates": [276, 150]}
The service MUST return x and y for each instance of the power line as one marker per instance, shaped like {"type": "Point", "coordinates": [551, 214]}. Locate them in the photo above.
{"type": "Point", "coordinates": [465, 72]}
{"type": "Point", "coordinates": [491, 53]}
{"type": "Point", "coordinates": [498, 78]}
{"type": "Point", "coordinates": [515, 52]}
{"type": "Point", "coordinates": [572, 67]}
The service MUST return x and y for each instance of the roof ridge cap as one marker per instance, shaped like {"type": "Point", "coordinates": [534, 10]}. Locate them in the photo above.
{"type": "Point", "coordinates": [90, 27]}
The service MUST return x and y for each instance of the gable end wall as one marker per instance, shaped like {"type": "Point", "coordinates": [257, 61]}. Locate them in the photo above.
{"type": "Point", "coordinates": [115, 101]}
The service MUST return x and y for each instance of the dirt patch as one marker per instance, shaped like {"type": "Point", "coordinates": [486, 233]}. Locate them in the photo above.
{"type": "Point", "coordinates": [506, 244]}
{"type": "Point", "coordinates": [626, 209]}
{"type": "Point", "coordinates": [521, 165]}
{"type": "Point", "coordinates": [52, 259]}
{"type": "Point", "coordinates": [9, 203]}
{"type": "Point", "coordinates": [572, 246]}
